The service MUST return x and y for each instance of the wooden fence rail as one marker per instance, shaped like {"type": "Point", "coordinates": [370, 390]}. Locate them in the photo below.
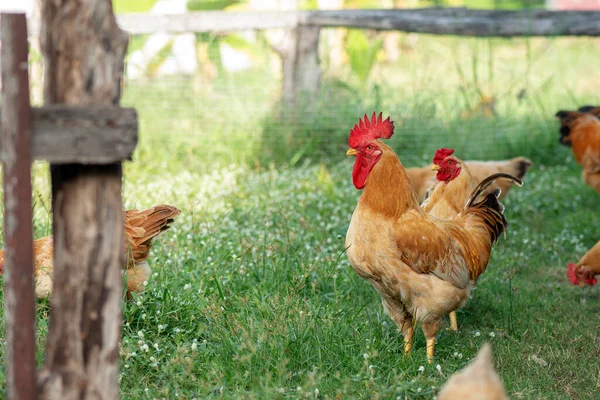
{"type": "Point", "coordinates": [299, 47]}
{"type": "Point", "coordinates": [440, 21]}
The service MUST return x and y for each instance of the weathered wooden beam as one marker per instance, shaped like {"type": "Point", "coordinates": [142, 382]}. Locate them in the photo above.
{"type": "Point", "coordinates": [83, 50]}
{"type": "Point", "coordinates": [19, 303]}
{"type": "Point", "coordinates": [463, 21]}
{"type": "Point", "coordinates": [207, 21]}
{"type": "Point", "coordinates": [86, 135]}
{"type": "Point", "coordinates": [441, 21]}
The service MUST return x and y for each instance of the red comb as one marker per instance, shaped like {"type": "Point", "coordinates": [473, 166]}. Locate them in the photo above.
{"type": "Point", "coordinates": [571, 274]}
{"type": "Point", "coordinates": [367, 130]}
{"type": "Point", "coordinates": [441, 154]}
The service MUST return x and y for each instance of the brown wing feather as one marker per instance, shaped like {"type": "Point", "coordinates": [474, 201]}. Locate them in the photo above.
{"type": "Point", "coordinates": [456, 250]}
{"type": "Point", "coordinates": [142, 226]}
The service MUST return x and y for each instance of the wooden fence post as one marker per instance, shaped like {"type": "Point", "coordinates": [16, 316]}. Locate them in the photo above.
{"type": "Point", "coordinates": [18, 236]}
{"type": "Point", "coordinates": [83, 51]}
{"type": "Point", "coordinates": [299, 52]}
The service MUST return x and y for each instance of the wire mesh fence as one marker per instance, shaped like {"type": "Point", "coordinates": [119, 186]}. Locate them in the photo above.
{"type": "Point", "coordinates": [488, 98]}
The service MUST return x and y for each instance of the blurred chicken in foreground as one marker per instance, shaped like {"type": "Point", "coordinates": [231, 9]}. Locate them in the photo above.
{"type": "Point", "coordinates": [423, 177]}
{"type": "Point", "coordinates": [585, 271]}
{"type": "Point", "coordinates": [140, 228]}
{"type": "Point", "coordinates": [580, 130]}
{"type": "Point", "coordinates": [477, 381]}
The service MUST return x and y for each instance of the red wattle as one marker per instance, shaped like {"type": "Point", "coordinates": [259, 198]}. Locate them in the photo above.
{"type": "Point", "coordinates": [360, 172]}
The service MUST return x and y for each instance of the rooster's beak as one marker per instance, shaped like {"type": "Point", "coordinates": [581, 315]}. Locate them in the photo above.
{"type": "Point", "coordinates": [436, 167]}
{"type": "Point", "coordinates": [351, 152]}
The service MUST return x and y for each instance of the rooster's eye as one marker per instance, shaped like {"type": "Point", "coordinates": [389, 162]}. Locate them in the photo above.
{"type": "Point", "coordinates": [369, 147]}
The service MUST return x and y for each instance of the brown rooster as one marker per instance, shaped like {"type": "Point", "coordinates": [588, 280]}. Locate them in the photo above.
{"type": "Point", "coordinates": [423, 177]}
{"type": "Point", "coordinates": [448, 195]}
{"type": "Point", "coordinates": [140, 228]}
{"type": "Point", "coordinates": [422, 267]}
{"type": "Point", "coordinates": [585, 271]}
{"type": "Point", "coordinates": [580, 130]}
{"type": "Point", "coordinates": [477, 381]}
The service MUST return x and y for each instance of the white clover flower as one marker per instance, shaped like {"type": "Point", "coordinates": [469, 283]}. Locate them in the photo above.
{"type": "Point", "coordinates": [421, 368]}
{"type": "Point", "coordinates": [139, 303]}
{"type": "Point", "coordinates": [439, 368]}
{"type": "Point", "coordinates": [492, 334]}
{"type": "Point", "coordinates": [194, 346]}
{"type": "Point", "coordinates": [141, 334]}
{"type": "Point", "coordinates": [477, 333]}
{"type": "Point", "coordinates": [144, 316]}
{"type": "Point", "coordinates": [187, 286]}
{"type": "Point", "coordinates": [155, 345]}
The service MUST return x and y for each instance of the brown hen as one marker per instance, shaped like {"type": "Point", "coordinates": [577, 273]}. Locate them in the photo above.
{"type": "Point", "coordinates": [580, 130]}
{"type": "Point", "coordinates": [140, 228]}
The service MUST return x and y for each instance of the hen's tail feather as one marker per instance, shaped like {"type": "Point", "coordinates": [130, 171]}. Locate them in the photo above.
{"type": "Point", "coordinates": [522, 165]}
{"type": "Point", "coordinates": [590, 110]}
{"type": "Point", "coordinates": [143, 226]}
{"type": "Point", "coordinates": [490, 210]}
{"type": "Point", "coordinates": [568, 117]}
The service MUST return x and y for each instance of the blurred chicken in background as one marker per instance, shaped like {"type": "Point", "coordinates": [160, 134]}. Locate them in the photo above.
{"type": "Point", "coordinates": [422, 178]}
{"type": "Point", "coordinates": [585, 271]}
{"type": "Point", "coordinates": [580, 130]}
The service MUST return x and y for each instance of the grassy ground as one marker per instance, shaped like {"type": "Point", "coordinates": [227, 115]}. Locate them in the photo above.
{"type": "Point", "coordinates": [252, 296]}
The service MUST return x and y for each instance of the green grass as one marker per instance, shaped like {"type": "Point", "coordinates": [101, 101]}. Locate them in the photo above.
{"type": "Point", "coordinates": [252, 295]}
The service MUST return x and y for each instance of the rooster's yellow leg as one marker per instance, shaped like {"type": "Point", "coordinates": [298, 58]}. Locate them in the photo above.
{"type": "Point", "coordinates": [402, 319]}
{"type": "Point", "coordinates": [453, 322]}
{"type": "Point", "coordinates": [430, 329]}
{"type": "Point", "coordinates": [430, 349]}
{"type": "Point", "coordinates": [409, 334]}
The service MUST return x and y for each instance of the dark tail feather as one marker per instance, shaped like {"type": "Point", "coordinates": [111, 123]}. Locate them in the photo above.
{"type": "Point", "coordinates": [489, 209]}
{"type": "Point", "coordinates": [487, 182]}
{"type": "Point", "coordinates": [589, 109]}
